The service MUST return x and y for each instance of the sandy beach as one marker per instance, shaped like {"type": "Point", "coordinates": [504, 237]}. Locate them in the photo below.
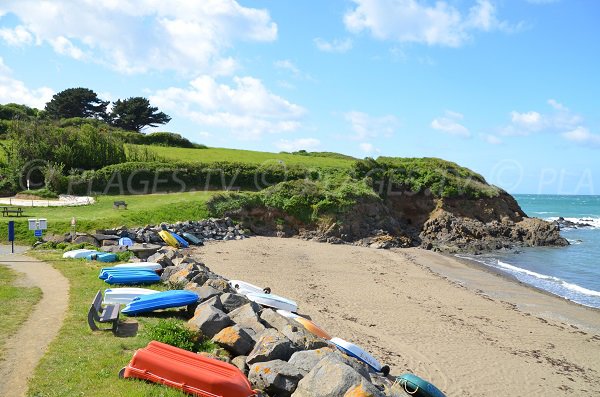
{"type": "Point", "coordinates": [468, 331]}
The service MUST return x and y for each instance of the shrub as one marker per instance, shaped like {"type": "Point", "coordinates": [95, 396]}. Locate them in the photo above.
{"type": "Point", "coordinates": [174, 333]}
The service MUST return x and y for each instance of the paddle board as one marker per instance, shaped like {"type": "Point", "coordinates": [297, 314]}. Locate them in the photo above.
{"type": "Point", "coordinates": [168, 238]}
{"type": "Point", "coordinates": [141, 265]}
{"type": "Point", "coordinates": [180, 240]}
{"type": "Point", "coordinates": [274, 301]}
{"type": "Point", "coordinates": [106, 271]}
{"type": "Point", "coordinates": [161, 300]}
{"type": "Point", "coordinates": [306, 323]}
{"type": "Point", "coordinates": [418, 387]}
{"type": "Point", "coordinates": [124, 296]}
{"type": "Point", "coordinates": [352, 350]}
{"type": "Point", "coordinates": [245, 288]}
{"type": "Point", "coordinates": [80, 253]}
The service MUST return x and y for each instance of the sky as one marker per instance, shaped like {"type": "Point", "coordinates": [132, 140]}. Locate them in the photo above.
{"type": "Point", "coordinates": [508, 88]}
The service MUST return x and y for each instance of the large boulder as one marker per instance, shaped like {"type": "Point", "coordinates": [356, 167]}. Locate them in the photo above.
{"type": "Point", "coordinates": [277, 377]}
{"type": "Point", "coordinates": [272, 345]}
{"type": "Point", "coordinates": [220, 284]}
{"type": "Point", "coordinates": [235, 340]}
{"type": "Point", "coordinates": [295, 332]}
{"type": "Point", "coordinates": [209, 321]}
{"type": "Point", "coordinates": [203, 292]}
{"type": "Point", "coordinates": [85, 239]}
{"type": "Point", "coordinates": [331, 377]}
{"type": "Point", "coordinates": [306, 360]}
{"type": "Point", "coordinates": [240, 362]}
{"type": "Point", "coordinates": [232, 301]}
{"type": "Point", "coordinates": [247, 317]}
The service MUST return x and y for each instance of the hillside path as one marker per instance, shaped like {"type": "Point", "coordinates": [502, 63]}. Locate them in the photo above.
{"type": "Point", "coordinates": [26, 347]}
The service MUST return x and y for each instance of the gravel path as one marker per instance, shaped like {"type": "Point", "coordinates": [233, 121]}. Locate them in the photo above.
{"type": "Point", "coordinates": [25, 348]}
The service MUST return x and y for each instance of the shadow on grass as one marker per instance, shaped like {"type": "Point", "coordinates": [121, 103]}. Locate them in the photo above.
{"type": "Point", "coordinates": [127, 330]}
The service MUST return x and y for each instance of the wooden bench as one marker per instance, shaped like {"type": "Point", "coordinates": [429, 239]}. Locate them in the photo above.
{"type": "Point", "coordinates": [119, 204]}
{"type": "Point", "coordinates": [10, 210]}
{"type": "Point", "coordinates": [106, 314]}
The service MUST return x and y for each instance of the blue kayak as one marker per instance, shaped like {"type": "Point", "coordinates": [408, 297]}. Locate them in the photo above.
{"type": "Point", "coordinates": [180, 240]}
{"type": "Point", "coordinates": [132, 278]}
{"type": "Point", "coordinates": [106, 271]}
{"type": "Point", "coordinates": [418, 387]}
{"type": "Point", "coordinates": [161, 300]}
{"type": "Point", "coordinates": [102, 257]}
{"type": "Point", "coordinates": [192, 239]}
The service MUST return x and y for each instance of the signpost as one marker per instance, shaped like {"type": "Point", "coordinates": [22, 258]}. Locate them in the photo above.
{"type": "Point", "coordinates": [38, 226]}
{"type": "Point", "coordinates": [11, 234]}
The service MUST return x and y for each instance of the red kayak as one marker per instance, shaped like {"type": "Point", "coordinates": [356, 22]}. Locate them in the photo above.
{"type": "Point", "coordinates": [187, 371]}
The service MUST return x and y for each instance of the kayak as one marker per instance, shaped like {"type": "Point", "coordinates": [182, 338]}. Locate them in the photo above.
{"type": "Point", "coordinates": [354, 351]}
{"type": "Point", "coordinates": [132, 278]}
{"type": "Point", "coordinates": [168, 238]}
{"type": "Point", "coordinates": [141, 265]}
{"type": "Point", "coordinates": [192, 239]}
{"type": "Point", "coordinates": [418, 387]}
{"type": "Point", "coordinates": [161, 300]}
{"type": "Point", "coordinates": [189, 372]}
{"type": "Point", "coordinates": [80, 253]}
{"type": "Point", "coordinates": [274, 301]}
{"type": "Point", "coordinates": [306, 323]}
{"type": "Point", "coordinates": [124, 296]}
{"type": "Point", "coordinates": [102, 257]}
{"type": "Point", "coordinates": [245, 288]}
{"type": "Point", "coordinates": [180, 240]}
{"type": "Point", "coordinates": [106, 271]}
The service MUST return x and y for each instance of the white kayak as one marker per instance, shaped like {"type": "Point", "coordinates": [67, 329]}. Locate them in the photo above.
{"type": "Point", "coordinates": [141, 265]}
{"type": "Point", "coordinates": [80, 253]}
{"type": "Point", "coordinates": [244, 288]}
{"type": "Point", "coordinates": [274, 301]}
{"type": "Point", "coordinates": [352, 350]}
{"type": "Point", "coordinates": [124, 296]}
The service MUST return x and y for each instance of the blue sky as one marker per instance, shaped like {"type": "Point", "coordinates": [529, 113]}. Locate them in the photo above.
{"type": "Point", "coordinates": [508, 88]}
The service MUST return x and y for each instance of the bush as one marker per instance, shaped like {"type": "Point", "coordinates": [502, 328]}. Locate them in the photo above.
{"type": "Point", "coordinates": [41, 193]}
{"type": "Point", "coordinates": [174, 333]}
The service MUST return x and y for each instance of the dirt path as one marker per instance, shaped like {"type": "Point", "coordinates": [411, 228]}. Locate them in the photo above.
{"type": "Point", "coordinates": [25, 348]}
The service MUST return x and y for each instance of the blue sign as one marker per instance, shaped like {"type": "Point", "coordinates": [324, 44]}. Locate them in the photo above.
{"type": "Point", "coordinates": [37, 233]}
{"type": "Point", "coordinates": [11, 230]}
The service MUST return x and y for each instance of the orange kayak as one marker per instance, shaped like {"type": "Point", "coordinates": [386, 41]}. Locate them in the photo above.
{"type": "Point", "coordinates": [306, 323]}
{"type": "Point", "coordinates": [187, 371]}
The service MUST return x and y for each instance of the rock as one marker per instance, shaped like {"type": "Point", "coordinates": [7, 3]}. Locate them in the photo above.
{"type": "Point", "coordinates": [247, 318]}
{"type": "Point", "coordinates": [295, 332]}
{"type": "Point", "coordinates": [276, 377]}
{"type": "Point", "coordinates": [101, 237]}
{"type": "Point", "coordinates": [203, 292]}
{"type": "Point", "coordinates": [85, 239]}
{"type": "Point", "coordinates": [240, 362]}
{"type": "Point", "coordinates": [185, 274]}
{"type": "Point", "coordinates": [232, 301]}
{"type": "Point", "coordinates": [306, 360]}
{"type": "Point", "coordinates": [214, 301]}
{"type": "Point", "coordinates": [272, 345]}
{"type": "Point", "coordinates": [167, 272]}
{"type": "Point", "coordinates": [220, 284]}
{"type": "Point", "coordinates": [209, 321]}
{"type": "Point", "coordinates": [235, 340]}
{"type": "Point", "coordinates": [113, 248]}
{"type": "Point", "coordinates": [331, 377]}
{"type": "Point", "coordinates": [106, 243]}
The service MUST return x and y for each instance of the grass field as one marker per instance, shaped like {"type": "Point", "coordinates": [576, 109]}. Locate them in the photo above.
{"type": "Point", "coordinates": [249, 157]}
{"type": "Point", "coordinates": [142, 210]}
{"type": "Point", "coordinates": [16, 303]}
{"type": "Point", "coordinates": [80, 362]}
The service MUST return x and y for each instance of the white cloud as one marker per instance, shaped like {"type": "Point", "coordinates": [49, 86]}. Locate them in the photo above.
{"type": "Point", "coordinates": [13, 90]}
{"type": "Point", "coordinates": [582, 136]}
{"type": "Point", "coordinates": [527, 121]}
{"type": "Point", "coordinates": [246, 108]}
{"type": "Point", "coordinates": [336, 45]}
{"type": "Point", "coordinates": [298, 144]}
{"type": "Point", "coordinates": [288, 65]}
{"type": "Point", "coordinates": [491, 139]}
{"type": "Point", "coordinates": [368, 148]}
{"type": "Point", "coordinates": [418, 22]}
{"type": "Point", "coordinates": [366, 126]}
{"type": "Point", "coordinates": [141, 35]}
{"type": "Point", "coordinates": [559, 119]}
{"type": "Point", "coordinates": [450, 123]}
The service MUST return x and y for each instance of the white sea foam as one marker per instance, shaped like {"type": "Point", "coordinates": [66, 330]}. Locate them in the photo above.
{"type": "Point", "coordinates": [594, 222]}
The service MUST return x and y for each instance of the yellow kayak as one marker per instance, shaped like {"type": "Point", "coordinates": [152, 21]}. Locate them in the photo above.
{"type": "Point", "coordinates": [168, 238]}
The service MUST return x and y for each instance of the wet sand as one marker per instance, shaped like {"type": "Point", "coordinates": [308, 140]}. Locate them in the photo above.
{"type": "Point", "coordinates": [469, 331]}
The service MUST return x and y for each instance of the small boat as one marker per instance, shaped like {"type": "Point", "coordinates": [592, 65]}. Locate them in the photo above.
{"type": "Point", "coordinates": [106, 271]}
{"type": "Point", "coordinates": [245, 288]}
{"type": "Point", "coordinates": [161, 300]}
{"type": "Point", "coordinates": [418, 387]}
{"type": "Point", "coordinates": [182, 243]}
{"type": "Point", "coordinates": [80, 253]}
{"type": "Point", "coordinates": [141, 265]}
{"type": "Point", "coordinates": [189, 372]}
{"type": "Point", "coordinates": [274, 301]}
{"type": "Point", "coordinates": [192, 239]}
{"type": "Point", "coordinates": [168, 238]}
{"type": "Point", "coordinates": [132, 278]}
{"type": "Point", "coordinates": [106, 257]}
{"type": "Point", "coordinates": [354, 351]}
{"type": "Point", "coordinates": [306, 323]}
{"type": "Point", "coordinates": [124, 296]}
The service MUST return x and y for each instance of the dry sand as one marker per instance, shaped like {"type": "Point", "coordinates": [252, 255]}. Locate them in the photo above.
{"type": "Point", "coordinates": [483, 336]}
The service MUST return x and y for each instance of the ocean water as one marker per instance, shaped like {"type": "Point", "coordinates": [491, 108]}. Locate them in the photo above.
{"type": "Point", "coordinates": [571, 272]}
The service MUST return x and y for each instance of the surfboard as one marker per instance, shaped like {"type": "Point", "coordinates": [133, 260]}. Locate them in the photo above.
{"type": "Point", "coordinates": [124, 296]}
{"type": "Point", "coordinates": [168, 238]}
{"type": "Point", "coordinates": [180, 240]}
{"type": "Point", "coordinates": [306, 323]}
{"type": "Point", "coordinates": [353, 350]}
{"type": "Point", "coordinates": [245, 288]}
{"type": "Point", "coordinates": [274, 301]}
{"type": "Point", "coordinates": [80, 253]}
{"type": "Point", "coordinates": [418, 387]}
{"type": "Point", "coordinates": [161, 300]}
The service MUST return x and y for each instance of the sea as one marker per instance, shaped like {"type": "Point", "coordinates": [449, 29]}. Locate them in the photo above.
{"type": "Point", "coordinates": [571, 272]}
